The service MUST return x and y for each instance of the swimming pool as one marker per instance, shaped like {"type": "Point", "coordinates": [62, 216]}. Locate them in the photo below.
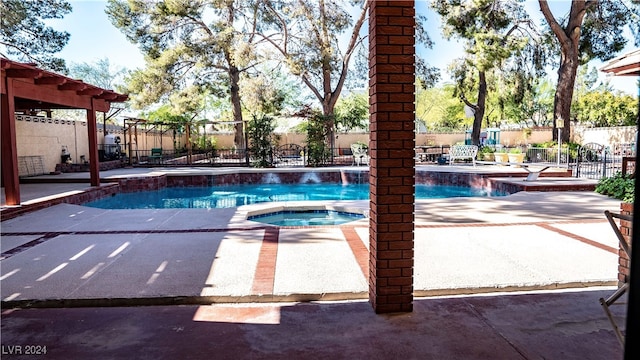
{"type": "Point", "coordinates": [238, 195]}
{"type": "Point", "coordinates": [306, 217]}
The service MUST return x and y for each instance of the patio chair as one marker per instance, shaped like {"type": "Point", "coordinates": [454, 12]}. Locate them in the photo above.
{"type": "Point", "coordinates": [606, 303]}
{"type": "Point", "coordinates": [360, 156]}
{"type": "Point", "coordinates": [156, 155]}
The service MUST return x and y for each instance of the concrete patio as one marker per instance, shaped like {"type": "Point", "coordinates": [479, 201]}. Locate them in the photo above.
{"type": "Point", "coordinates": [233, 287]}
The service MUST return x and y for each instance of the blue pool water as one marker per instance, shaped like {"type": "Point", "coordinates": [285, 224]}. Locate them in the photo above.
{"type": "Point", "coordinates": [307, 218]}
{"type": "Point", "coordinates": [238, 195]}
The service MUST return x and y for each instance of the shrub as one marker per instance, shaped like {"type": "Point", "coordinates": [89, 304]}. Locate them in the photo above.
{"type": "Point", "coordinates": [261, 140]}
{"type": "Point", "coordinates": [318, 130]}
{"type": "Point", "coordinates": [619, 186]}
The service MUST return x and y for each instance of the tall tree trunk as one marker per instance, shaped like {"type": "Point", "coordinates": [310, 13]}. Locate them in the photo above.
{"type": "Point", "coordinates": [569, 40]}
{"type": "Point", "coordinates": [478, 114]}
{"type": "Point", "coordinates": [234, 76]}
{"type": "Point", "coordinates": [478, 109]}
{"type": "Point", "coordinates": [564, 94]}
{"type": "Point", "coordinates": [234, 80]}
{"type": "Point", "coordinates": [328, 108]}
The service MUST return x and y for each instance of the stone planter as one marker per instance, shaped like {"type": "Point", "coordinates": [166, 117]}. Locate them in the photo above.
{"type": "Point", "coordinates": [488, 157]}
{"type": "Point", "coordinates": [501, 157]}
{"type": "Point", "coordinates": [516, 158]}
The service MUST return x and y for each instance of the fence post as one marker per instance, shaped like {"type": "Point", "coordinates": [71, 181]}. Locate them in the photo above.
{"type": "Point", "coordinates": [604, 163]}
{"type": "Point", "coordinates": [578, 158]}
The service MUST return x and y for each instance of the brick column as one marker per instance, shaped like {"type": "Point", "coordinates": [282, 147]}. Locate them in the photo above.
{"type": "Point", "coordinates": [623, 259]}
{"type": "Point", "coordinates": [392, 142]}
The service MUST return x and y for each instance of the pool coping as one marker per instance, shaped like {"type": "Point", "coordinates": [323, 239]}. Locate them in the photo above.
{"type": "Point", "coordinates": [500, 179]}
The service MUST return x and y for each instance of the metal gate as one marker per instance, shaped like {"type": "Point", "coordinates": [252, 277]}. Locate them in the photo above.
{"type": "Point", "coordinates": [596, 161]}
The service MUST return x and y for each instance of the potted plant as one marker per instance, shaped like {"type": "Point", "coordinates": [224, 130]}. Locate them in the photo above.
{"type": "Point", "coordinates": [486, 153]}
{"type": "Point", "coordinates": [515, 155]}
{"type": "Point", "coordinates": [501, 155]}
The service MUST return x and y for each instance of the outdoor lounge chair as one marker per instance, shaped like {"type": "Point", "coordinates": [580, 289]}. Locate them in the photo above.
{"type": "Point", "coordinates": [360, 155]}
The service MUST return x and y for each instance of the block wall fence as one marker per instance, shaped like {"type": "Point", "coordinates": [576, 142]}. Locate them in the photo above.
{"type": "Point", "coordinates": [40, 136]}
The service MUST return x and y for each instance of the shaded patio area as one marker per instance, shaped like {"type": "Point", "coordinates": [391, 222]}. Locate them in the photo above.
{"type": "Point", "coordinates": [148, 282]}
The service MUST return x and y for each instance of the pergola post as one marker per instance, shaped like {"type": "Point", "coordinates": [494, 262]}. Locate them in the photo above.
{"type": "Point", "coordinates": [92, 132]}
{"type": "Point", "coordinates": [392, 142]}
{"type": "Point", "coordinates": [9, 158]}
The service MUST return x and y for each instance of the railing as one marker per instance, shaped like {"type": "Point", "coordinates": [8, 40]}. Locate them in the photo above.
{"type": "Point", "coordinates": [173, 158]}
{"type": "Point", "coordinates": [283, 156]}
{"type": "Point", "coordinates": [595, 161]}
{"type": "Point", "coordinates": [588, 161]}
{"type": "Point", "coordinates": [550, 156]}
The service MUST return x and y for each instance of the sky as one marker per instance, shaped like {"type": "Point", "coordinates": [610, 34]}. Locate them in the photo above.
{"type": "Point", "coordinates": [93, 37]}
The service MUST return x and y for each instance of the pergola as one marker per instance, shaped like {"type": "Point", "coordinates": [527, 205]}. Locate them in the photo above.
{"type": "Point", "coordinates": [625, 65]}
{"type": "Point", "coordinates": [25, 87]}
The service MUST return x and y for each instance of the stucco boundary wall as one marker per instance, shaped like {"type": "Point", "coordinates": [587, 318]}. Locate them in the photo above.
{"type": "Point", "coordinates": [607, 136]}
{"type": "Point", "coordinates": [41, 136]}
{"type": "Point", "coordinates": [344, 140]}
{"type": "Point", "coordinates": [45, 137]}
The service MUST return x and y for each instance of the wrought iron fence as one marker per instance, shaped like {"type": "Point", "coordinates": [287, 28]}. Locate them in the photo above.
{"type": "Point", "coordinates": [596, 161]}
{"type": "Point", "coordinates": [562, 158]}
{"type": "Point", "coordinates": [289, 155]}
{"type": "Point", "coordinates": [592, 161]}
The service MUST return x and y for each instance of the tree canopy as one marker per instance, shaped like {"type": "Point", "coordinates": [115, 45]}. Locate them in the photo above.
{"type": "Point", "coordinates": [494, 32]}
{"type": "Point", "coordinates": [200, 54]}
{"type": "Point", "coordinates": [100, 73]}
{"type": "Point", "coordinates": [591, 30]}
{"type": "Point", "coordinates": [306, 34]}
{"type": "Point", "coordinates": [190, 47]}
{"type": "Point", "coordinates": [24, 35]}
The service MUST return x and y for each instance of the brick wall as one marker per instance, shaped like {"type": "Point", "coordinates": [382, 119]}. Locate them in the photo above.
{"type": "Point", "coordinates": [143, 183]}
{"type": "Point", "coordinates": [392, 142]}
{"type": "Point", "coordinates": [89, 194]}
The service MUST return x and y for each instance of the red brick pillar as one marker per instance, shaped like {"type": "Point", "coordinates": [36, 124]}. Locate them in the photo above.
{"type": "Point", "coordinates": [623, 259]}
{"type": "Point", "coordinates": [392, 142]}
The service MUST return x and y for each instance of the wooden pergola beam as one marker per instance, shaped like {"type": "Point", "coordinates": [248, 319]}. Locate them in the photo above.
{"type": "Point", "coordinates": [73, 85]}
{"type": "Point", "coordinates": [26, 85]}
{"type": "Point", "coordinates": [91, 91]}
{"type": "Point", "coordinates": [24, 73]}
{"type": "Point", "coordinates": [50, 80]}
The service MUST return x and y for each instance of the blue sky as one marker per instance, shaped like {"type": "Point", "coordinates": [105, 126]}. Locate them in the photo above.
{"type": "Point", "coordinates": [93, 37]}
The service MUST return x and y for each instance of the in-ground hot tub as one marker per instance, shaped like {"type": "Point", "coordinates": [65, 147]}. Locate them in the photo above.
{"type": "Point", "coordinates": [306, 216]}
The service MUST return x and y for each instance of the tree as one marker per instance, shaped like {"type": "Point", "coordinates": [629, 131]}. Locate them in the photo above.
{"type": "Point", "coordinates": [25, 37]}
{"type": "Point", "coordinates": [592, 30]}
{"type": "Point", "coordinates": [270, 92]}
{"type": "Point", "coordinates": [190, 47]}
{"type": "Point", "coordinates": [603, 107]}
{"type": "Point", "coordinates": [102, 74]}
{"type": "Point", "coordinates": [494, 31]}
{"type": "Point", "coordinates": [352, 111]}
{"type": "Point", "coordinates": [438, 110]}
{"type": "Point", "coordinates": [307, 34]}
{"type": "Point", "coordinates": [307, 37]}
